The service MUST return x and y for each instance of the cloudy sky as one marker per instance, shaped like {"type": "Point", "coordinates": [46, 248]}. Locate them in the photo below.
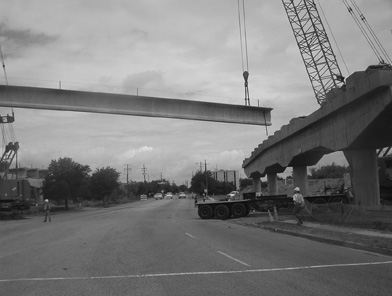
{"type": "Point", "coordinates": [168, 48]}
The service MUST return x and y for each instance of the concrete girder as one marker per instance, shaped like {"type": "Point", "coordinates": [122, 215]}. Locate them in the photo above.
{"type": "Point", "coordinates": [68, 100]}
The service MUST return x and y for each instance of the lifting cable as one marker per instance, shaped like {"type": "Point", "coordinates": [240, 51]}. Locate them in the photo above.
{"type": "Point", "coordinates": [244, 44]}
{"type": "Point", "coordinates": [333, 37]}
{"type": "Point", "coordinates": [370, 37]}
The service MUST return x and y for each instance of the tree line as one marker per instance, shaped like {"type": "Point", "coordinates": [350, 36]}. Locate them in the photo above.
{"type": "Point", "coordinates": [68, 180]}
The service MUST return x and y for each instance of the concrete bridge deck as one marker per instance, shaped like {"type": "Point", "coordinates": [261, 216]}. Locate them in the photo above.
{"type": "Point", "coordinates": [356, 120]}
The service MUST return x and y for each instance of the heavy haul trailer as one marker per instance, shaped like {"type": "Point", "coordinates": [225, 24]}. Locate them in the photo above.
{"type": "Point", "coordinates": [240, 208]}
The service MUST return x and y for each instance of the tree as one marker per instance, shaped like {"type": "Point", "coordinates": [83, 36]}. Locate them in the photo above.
{"type": "Point", "coordinates": [103, 182]}
{"type": "Point", "coordinates": [245, 182]}
{"type": "Point", "coordinates": [66, 180]}
{"type": "Point", "coordinates": [200, 179]}
{"type": "Point", "coordinates": [328, 171]}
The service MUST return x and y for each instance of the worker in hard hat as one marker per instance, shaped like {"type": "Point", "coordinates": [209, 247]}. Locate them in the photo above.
{"type": "Point", "coordinates": [299, 205]}
{"type": "Point", "coordinates": [47, 210]}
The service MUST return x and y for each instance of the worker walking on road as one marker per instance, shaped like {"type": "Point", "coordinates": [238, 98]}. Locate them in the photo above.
{"type": "Point", "coordinates": [47, 210]}
{"type": "Point", "coordinates": [299, 205]}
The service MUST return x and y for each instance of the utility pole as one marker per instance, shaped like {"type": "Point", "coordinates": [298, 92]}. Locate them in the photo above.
{"type": "Point", "coordinates": [127, 169]}
{"type": "Point", "coordinates": [201, 166]}
{"type": "Point", "coordinates": [205, 171]}
{"type": "Point", "coordinates": [144, 170]}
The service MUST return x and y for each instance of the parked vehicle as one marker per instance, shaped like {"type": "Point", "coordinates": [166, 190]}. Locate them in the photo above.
{"type": "Point", "coordinates": [143, 197]}
{"type": "Point", "coordinates": [232, 195]}
{"type": "Point", "coordinates": [158, 195]}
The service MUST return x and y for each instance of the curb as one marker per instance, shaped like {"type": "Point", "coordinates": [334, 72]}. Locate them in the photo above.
{"type": "Point", "coordinates": [341, 243]}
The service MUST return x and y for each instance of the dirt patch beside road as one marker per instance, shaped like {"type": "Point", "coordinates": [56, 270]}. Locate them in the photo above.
{"type": "Point", "coordinates": [342, 236]}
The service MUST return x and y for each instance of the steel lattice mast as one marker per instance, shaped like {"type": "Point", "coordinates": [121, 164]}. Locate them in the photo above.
{"type": "Point", "coordinates": [315, 48]}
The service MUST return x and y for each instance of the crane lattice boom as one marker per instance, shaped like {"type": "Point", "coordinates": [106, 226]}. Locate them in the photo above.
{"type": "Point", "coordinates": [315, 48]}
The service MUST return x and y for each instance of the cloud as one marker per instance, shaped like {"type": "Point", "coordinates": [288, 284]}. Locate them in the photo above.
{"type": "Point", "coordinates": [132, 153]}
{"type": "Point", "coordinates": [173, 49]}
{"type": "Point", "coordinates": [147, 79]}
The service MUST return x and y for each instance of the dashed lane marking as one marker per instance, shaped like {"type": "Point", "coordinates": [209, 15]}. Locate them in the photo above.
{"type": "Point", "coordinates": [190, 235]}
{"type": "Point", "coordinates": [152, 275]}
{"type": "Point", "coordinates": [232, 258]}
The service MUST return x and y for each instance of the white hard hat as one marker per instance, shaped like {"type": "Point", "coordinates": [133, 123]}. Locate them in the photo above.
{"type": "Point", "coordinates": [46, 200]}
{"type": "Point", "coordinates": [297, 189]}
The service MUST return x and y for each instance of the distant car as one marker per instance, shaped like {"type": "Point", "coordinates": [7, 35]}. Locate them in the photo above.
{"type": "Point", "coordinates": [169, 195]}
{"type": "Point", "coordinates": [158, 196]}
{"type": "Point", "coordinates": [182, 195]}
{"type": "Point", "coordinates": [232, 195]}
{"type": "Point", "coordinates": [143, 197]}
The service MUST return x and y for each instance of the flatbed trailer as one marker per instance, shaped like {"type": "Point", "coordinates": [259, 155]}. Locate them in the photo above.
{"type": "Point", "coordinates": [240, 208]}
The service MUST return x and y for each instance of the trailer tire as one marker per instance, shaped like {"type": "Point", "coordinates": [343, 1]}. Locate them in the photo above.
{"type": "Point", "coordinates": [239, 210]}
{"type": "Point", "coordinates": [222, 212]}
{"type": "Point", "coordinates": [205, 212]}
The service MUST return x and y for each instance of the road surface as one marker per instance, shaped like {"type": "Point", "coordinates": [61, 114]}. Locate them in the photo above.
{"type": "Point", "coordinates": [161, 247]}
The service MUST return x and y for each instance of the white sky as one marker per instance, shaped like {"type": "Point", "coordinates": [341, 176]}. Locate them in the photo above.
{"type": "Point", "coordinates": [169, 48]}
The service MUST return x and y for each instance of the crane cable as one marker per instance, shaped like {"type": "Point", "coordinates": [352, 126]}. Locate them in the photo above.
{"type": "Point", "coordinates": [377, 48]}
{"type": "Point", "coordinates": [333, 37]}
{"type": "Point", "coordinates": [244, 44]}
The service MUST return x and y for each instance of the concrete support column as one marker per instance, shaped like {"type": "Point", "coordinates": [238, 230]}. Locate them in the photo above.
{"type": "Point", "coordinates": [272, 180]}
{"type": "Point", "coordinates": [364, 177]}
{"type": "Point", "coordinates": [256, 184]}
{"type": "Point", "coordinates": [300, 176]}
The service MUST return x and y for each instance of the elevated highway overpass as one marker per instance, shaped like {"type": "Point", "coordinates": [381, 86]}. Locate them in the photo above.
{"type": "Point", "coordinates": [356, 119]}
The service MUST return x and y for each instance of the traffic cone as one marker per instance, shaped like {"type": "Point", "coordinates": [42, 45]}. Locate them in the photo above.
{"type": "Point", "coordinates": [276, 214]}
{"type": "Point", "coordinates": [270, 216]}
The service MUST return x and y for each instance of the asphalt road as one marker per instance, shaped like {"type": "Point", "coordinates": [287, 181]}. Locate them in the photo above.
{"type": "Point", "coordinates": [161, 247]}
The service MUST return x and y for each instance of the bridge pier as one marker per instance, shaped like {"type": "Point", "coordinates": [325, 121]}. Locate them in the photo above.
{"type": "Point", "coordinates": [272, 180]}
{"type": "Point", "coordinates": [256, 183]}
{"type": "Point", "coordinates": [364, 176]}
{"type": "Point", "coordinates": [300, 176]}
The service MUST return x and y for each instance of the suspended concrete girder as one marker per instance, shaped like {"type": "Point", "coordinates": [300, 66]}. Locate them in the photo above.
{"type": "Point", "coordinates": [81, 101]}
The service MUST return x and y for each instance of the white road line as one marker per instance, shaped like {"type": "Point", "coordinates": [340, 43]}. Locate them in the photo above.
{"type": "Point", "coordinates": [189, 235]}
{"type": "Point", "coordinates": [232, 258]}
{"type": "Point", "coordinates": [130, 276]}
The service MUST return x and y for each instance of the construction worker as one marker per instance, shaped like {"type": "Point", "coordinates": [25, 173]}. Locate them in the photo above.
{"type": "Point", "coordinates": [299, 205]}
{"type": "Point", "coordinates": [47, 210]}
